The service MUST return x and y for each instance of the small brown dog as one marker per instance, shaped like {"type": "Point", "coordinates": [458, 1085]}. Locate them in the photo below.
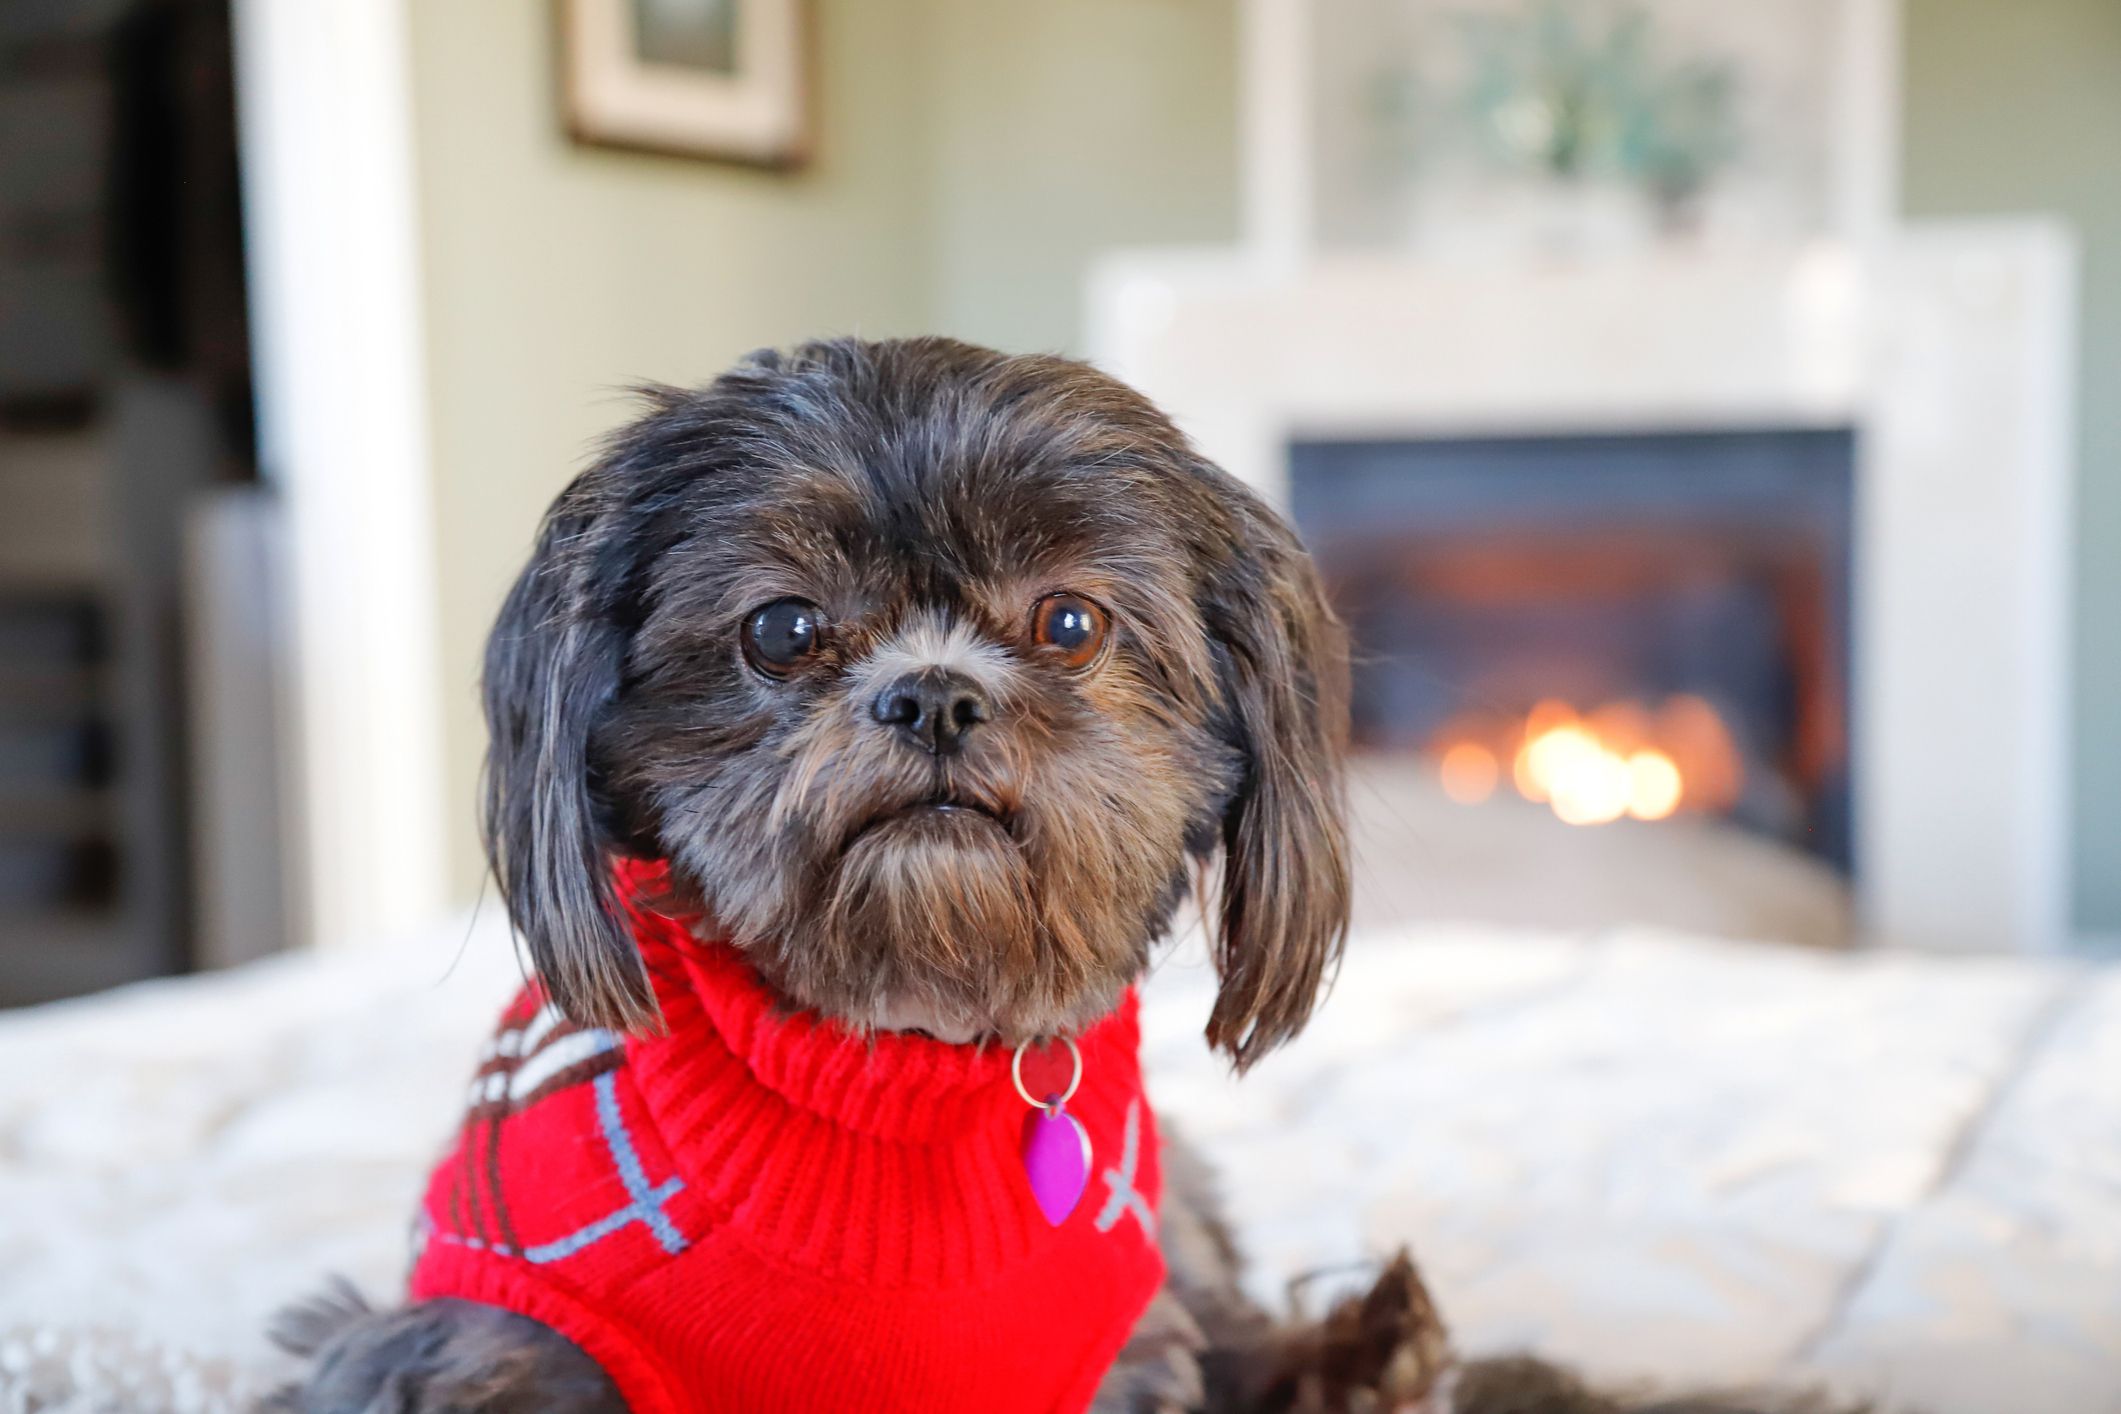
{"type": "Point", "coordinates": [937, 677]}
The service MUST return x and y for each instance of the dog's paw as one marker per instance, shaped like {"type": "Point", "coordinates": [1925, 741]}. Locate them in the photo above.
{"type": "Point", "coordinates": [440, 1357]}
{"type": "Point", "coordinates": [1384, 1352]}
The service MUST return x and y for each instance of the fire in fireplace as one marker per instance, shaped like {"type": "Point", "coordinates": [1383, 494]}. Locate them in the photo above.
{"type": "Point", "coordinates": [1626, 759]}
{"type": "Point", "coordinates": [1618, 627]}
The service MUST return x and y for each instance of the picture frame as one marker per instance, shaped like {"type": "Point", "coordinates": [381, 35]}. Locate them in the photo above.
{"type": "Point", "coordinates": [726, 80]}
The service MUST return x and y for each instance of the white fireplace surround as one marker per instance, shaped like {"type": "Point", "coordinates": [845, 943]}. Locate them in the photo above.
{"type": "Point", "coordinates": [1950, 351]}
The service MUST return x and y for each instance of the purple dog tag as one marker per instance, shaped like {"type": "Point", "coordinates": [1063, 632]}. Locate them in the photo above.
{"type": "Point", "coordinates": [1057, 1161]}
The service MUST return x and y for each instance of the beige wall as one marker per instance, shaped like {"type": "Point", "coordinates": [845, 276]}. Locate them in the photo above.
{"type": "Point", "coordinates": [1060, 128]}
{"type": "Point", "coordinates": [2015, 105]}
{"type": "Point", "coordinates": [554, 274]}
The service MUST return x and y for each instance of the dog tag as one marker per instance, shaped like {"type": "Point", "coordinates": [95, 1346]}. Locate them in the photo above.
{"type": "Point", "coordinates": [1056, 1160]}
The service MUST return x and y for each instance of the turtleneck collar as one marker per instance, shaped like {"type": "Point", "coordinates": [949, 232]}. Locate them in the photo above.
{"type": "Point", "coordinates": [887, 1085]}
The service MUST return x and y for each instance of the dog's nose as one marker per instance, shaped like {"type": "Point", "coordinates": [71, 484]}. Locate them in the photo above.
{"type": "Point", "coordinates": [935, 710]}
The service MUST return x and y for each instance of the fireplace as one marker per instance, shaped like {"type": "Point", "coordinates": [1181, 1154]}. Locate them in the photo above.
{"type": "Point", "coordinates": [1944, 355]}
{"type": "Point", "coordinates": [1618, 626]}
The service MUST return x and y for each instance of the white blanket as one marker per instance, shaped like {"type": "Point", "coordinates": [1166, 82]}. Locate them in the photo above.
{"type": "Point", "coordinates": [1651, 1156]}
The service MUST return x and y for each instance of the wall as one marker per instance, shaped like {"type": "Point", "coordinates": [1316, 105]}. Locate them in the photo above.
{"type": "Point", "coordinates": [555, 274]}
{"type": "Point", "coordinates": [2017, 107]}
{"type": "Point", "coordinates": [1061, 128]}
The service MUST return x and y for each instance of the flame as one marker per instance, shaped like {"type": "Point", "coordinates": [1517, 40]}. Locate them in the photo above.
{"type": "Point", "coordinates": [1621, 760]}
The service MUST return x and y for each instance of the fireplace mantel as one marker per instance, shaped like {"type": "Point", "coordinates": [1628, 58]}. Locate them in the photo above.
{"type": "Point", "coordinates": [1951, 355]}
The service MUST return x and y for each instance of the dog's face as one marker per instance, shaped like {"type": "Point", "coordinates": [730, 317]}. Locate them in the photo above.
{"type": "Point", "coordinates": [934, 673]}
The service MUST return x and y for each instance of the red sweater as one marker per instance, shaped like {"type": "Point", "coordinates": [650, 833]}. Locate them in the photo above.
{"type": "Point", "coordinates": [762, 1212]}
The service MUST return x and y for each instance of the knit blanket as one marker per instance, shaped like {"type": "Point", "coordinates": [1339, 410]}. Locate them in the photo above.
{"type": "Point", "coordinates": [1655, 1156]}
{"type": "Point", "coordinates": [50, 1370]}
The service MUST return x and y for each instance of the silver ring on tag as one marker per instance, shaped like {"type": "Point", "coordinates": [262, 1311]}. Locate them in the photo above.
{"type": "Point", "coordinates": [1016, 1073]}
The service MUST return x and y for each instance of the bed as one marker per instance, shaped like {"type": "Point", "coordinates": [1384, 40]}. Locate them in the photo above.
{"type": "Point", "coordinates": [1660, 1155]}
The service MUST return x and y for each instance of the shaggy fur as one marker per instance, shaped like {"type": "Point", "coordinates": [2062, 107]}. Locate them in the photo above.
{"type": "Point", "coordinates": [445, 1355]}
{"type": "Point", "coordinates": [932, 817]}
{"type": "Point", "coordinates": [924, 496]}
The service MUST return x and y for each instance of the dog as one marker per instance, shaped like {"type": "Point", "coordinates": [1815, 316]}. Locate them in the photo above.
{"type": "Point", "coordinates": [857, 728]}
{"type": "Point", "coordinates": [932, 679]}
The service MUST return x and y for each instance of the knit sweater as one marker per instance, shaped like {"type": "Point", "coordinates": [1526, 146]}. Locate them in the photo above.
{"type": "Point", "coordinates": [760, 1211]}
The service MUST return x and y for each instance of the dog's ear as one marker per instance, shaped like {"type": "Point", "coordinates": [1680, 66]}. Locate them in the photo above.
{"type": "Point", "coordinates": [553, 667]}
{"type": "Point", "coordinates": [1283, 913]}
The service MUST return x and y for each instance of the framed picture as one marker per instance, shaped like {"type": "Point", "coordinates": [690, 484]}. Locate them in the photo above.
{"type": "Point", "coordinates": [722, 79]}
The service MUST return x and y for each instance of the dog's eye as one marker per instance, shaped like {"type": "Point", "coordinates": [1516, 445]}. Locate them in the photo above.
{"type": "Point", "coordinates": [1072, 626]}
{"type": "Point", "coordinates": [780, 635]}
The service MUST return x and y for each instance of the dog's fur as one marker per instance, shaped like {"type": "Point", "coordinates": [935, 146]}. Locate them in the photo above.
{"type": "Point", "coordinates": [1003, 876]}
{"type": "Point", "coordinates": [925, 495]}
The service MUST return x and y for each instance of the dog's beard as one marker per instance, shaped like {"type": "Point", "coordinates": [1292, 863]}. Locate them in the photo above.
{"type": "Point", "coordinates": [936, 911]}
{"type": "Point", "coordinates": [990, 899]}
{"type": "Point", "coordinates": [951, 922]}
